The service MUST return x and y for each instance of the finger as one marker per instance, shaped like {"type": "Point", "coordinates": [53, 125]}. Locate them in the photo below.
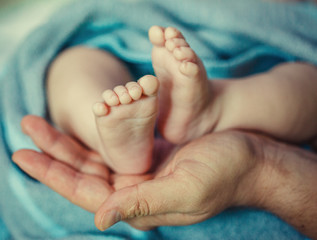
{"type": "Point", "coordinates": [160, 196]}
{"type": "Point", "coordinates": [122, 181]}
{"type": "Point", "coordinates": [63, 147]}
{"type": "Point", "coordinates": [83, 190]}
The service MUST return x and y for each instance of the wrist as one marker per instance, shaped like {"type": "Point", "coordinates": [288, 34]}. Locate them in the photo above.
{"type": "Point", "coordinates": [250, 191]}
{"type": "Point", "coordinates": [284, 183]}
{"type": "Point", "coordinates": [268, 175]}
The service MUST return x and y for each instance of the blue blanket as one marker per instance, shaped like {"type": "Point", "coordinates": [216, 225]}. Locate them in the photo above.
{"type": "Point", "coordinates": [233, 38]}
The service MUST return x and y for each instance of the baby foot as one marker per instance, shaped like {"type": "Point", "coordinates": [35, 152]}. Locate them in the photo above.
{"type": "Point", "coordinates": [185, 92]}
{"type": "Point", "coordinates": [125, 122]}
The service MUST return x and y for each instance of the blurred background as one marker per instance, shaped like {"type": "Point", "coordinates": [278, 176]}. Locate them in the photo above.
{"type": "Point", "coordinates": [18, 18]}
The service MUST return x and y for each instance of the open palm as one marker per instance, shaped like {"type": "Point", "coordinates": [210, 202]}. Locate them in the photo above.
{"type": "Point", "coordinates": [189, 183]}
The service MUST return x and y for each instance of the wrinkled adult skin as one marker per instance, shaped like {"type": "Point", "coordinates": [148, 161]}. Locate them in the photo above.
{"type": "Point", "coordinates": [192, 183]}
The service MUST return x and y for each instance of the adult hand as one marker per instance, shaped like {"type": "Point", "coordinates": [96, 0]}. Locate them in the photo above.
{"type": "Point", "coordinates": [218, 171]}
{"type": "Point", "coordinates": [200, 180]}
{"type": "Point", "coordinates": [186, 189]}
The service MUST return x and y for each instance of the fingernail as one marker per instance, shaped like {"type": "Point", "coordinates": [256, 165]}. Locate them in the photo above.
{"type": "Point", "coordinates": [110, 219]}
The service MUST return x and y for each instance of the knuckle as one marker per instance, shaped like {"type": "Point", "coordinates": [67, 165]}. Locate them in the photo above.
{"type": "Point", "coordinates": [75, 191]}
{"type": "Point", "coordinates": [141, 207]}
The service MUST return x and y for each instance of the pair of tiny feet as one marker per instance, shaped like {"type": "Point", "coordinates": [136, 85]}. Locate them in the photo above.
{"type": "Point", "coordinates": [127, 117]}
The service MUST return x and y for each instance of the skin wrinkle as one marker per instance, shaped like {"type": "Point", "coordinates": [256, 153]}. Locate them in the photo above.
{"type": "Point", "coordinates": [191, 204]}
{"type": "Point", "coordinates": [180, 169]}
{"type": "Point", "coordinates": [266, 154]}
{"type": "Point", "coordinates": [205, 200]}
{"type": "Point", "coordinates": [284, 207]}
{"type": "Point", "coordinates": [251, 154]}
{"type": "Point", "coordinates": [141, 208]}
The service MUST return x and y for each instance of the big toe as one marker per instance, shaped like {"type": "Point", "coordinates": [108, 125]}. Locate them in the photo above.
{"type": "Point", "coordinates": [156, 36]}
{"type": "Point", "coordinates": [149, 84]}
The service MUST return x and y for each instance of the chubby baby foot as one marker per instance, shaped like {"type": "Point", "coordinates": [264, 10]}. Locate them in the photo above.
{"type": "Point", "coordinates": [185, 92]}
{"type": "Point", "coordinates": [125, 122]}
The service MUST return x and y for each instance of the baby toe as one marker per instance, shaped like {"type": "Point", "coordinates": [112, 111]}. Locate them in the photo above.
{"type": "Point", "coordinates": [135, 90]}
{"type": "Point", "coordinates": [156, 35]}
{"type": "Point", "coordinates": [110, 97]}
{"type": "Point", "coordinates": [122, 94]}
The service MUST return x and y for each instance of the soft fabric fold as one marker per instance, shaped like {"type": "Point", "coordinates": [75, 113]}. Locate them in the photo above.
{"type": "Point", "coordinates": [233, 38]}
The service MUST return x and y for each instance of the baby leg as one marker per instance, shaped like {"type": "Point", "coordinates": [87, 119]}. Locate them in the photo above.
{"type": "Point", "coordinates": [280, 103]}
{"type": "Point", "coordinates": [76, 80]}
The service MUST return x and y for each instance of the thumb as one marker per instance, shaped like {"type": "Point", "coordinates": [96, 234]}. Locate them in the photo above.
{"type": "Point", "coordinates": [158, 196]}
